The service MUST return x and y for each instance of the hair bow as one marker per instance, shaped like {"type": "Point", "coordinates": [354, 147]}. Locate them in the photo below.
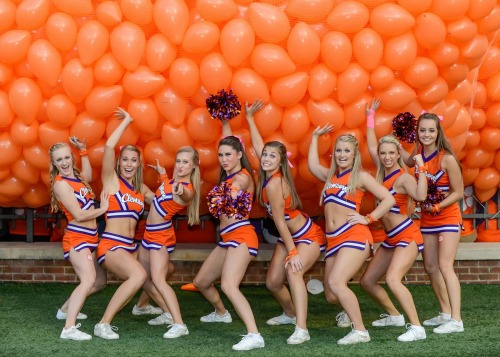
{"type": "Point", "coordinates": [288, 155]}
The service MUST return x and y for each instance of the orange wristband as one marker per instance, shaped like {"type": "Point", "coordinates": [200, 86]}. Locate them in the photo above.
{"type": "Point", "coordinates": [436, 208]}
{"type": "Point", "coordinates": [422, 168]}
{"type": "Point", "coordinates": [370, 219]}
{"type": "Point", "coordinates": [163, 177]}
{"type": "Point", "coordinates": [291, 254]}
{"type": "Point", "coordinates": [83, 152]}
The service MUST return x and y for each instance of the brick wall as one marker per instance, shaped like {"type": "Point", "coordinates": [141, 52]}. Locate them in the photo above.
{"type": "Point", "coordinates": [60, 271]}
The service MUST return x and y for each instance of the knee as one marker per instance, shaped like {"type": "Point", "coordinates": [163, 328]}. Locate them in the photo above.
{"type": "Point", "coordinates": [392, 281]}
{"type": "Point", "coordinates": [140, 276]}
{"type": "Point", "coordinates": [273, 284]}
{"type": "Point", "coordinates": [100, 283]}
{"type": "Point", "coordinates": [431, 268]}
{"type": "Point", "coordinates": [446, 268]}
{"type": "Point", "coordinates": [330, 297]}
{"type": "Point", "coordinates": [366, 283]}
{"type": "Point", "coordinates": [201, 284]}
{"type": "Point", "coordinates": [228, 288]}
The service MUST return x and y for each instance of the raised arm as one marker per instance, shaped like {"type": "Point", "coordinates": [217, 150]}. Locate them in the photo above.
{"type": "Point", "coordinates": [315, 167]}
{"type": "Point", "coordinates": [226, 128]}
{"type": "Point", "coordinates": [81, 146]}
{"type": "Point", "coordinates": [371, 138]}
{"type": "Point", "coordinates": [257, 142]}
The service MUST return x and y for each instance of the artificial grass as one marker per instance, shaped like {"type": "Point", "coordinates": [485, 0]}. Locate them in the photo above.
{"type": "Point", "coordinates": [28, 326]}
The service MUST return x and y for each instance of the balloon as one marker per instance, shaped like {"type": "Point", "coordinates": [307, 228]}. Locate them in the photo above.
{"type": "Point", "coordinates": [249, 86]}
{"type": "Point", "coordinates": [473, 139]}
{"type": "Point", "coordinates": [383, 124]}
{"type": "Point", "coordinates": [49, 134]}
{"type": "Point", "coordinates": [184, 76]}
{"type": "Point", "coordinates": [355, 111]}
{"type": "Point", "coordinates": [92, 42]}
{"type": "Point", "coordinates": [77, 80]}
{"type": "Point", "coordinates": [144, 113]}
{"type": "Point", "coordinates": [160, 53]}
{"type": "Point", "coordinates": [490, 138]}
{"type": "Point", "coordinates": [208, 156]}
{"type": "Point", "coordinates": [324, 143]}
{"type": "Point", "coordinates": [37, 156]}
{"type": "Point", "coordinates": [7, 15]}
{"type": "Point", "coordinates": [14, 45]}
{"type": "Point", "coordinates": [88, 127]}
{"type": "Point", "coordinates": [9, 151]}
{"type": "Point", "coordinates": [202, 128]}
{"type": "Point", "coordinates": [492, 87]}
{"type": "Point", "coordinates": [237, 40]}
{"type": "Point", "coordinates": [322, 82]}
{"type": "Point", "coordinates": [303, 44]}
{"type": "Point", "coordinates": [493, 115]}
{"type": "Point", "coordinates": [269, 22]}
{"type": "Point", "coordinates": [352, 83]}
{"type": "Point", "coordinates": [348, 17]}
{"type": "Point", "coordinates": [475, 49]}
{"type": "Point", "coordinates": [36, 196]}
{"type": "Point", "coordinates": [421, 73]}
{"type": "Point", "coordinates": [139, 12]}
{"type": "Point", "coordinates": [216, 10]}
{"type": "Point", "coordinates": [477, 157]}
{"type": "Point", "coordinates": [171, 105]}
{"type": "Point", "coordinates": [469, 175]}
{"type": "Point", "coordinates": [309, 11]}
{"type": "Point", "coordinates": [143, 82]}
{"type": "Point", "coordinates": [480, 9]}
{"type": "Point", "coordinates": [171, 17]}
{"type": "Point", "coordinates": [289, 90]}
{"type": "Point", "coordinates": [130, 136]}
{"type": "Point", "coordinates": [455, 73]}
{"type": "Point", "coordinates": [103, 101]}
{"type": "Point", "coordinates": [201, 37]}
{"type": "Point", "coordinates": [444, 55]}
{"type": "Point", "coordinates": [429, 30]}
{"type": "Point", "coordinates": [107, 70]}
{"type": "Point", "coordinates": [23, 171]}
{"type": "Point", "coordinates": [462, 30]}
{"type": "Point", "coordinates": [381, 77]}
{"type": "Point", "coordinates": [491, 22]}
{"type": "Point", "coordinates": [268, 119]}
{"type": "Point", "coordinates": [25, 99]}
{"type": "Point", "coordinates": [60, 110]}
{"type": "Point", "coordinates": [490, 65]}
{"type": "Point", "coordinates": [215, 73]}
{"type": "Point", "coordinates": [128, 44]}
{"type": "Point", "coordinates": [458, 142]}
{"type": "Point", "coordinates": [485, 195]}
{"type": "Point", "coordinates": [391, 20]}
{"type": "Point", "coordinates": [415, 7]}
{"type": "Point", "coordinates": [368, 48]}
{"type": "Point", "coordinates": [488, 178]}
{"type": "Point", "coordinates": [12, 187]}
{"type": "Point", "coordinates": [295, 123]}
{"type": "Point", "coordinates": [450, 9]}
{"type": "Point", "coordinates": [434, 92]}
{"type": "Point", "coordinates": [400, 52]}
{"type": "Point", "coordinates": [109, 13]}
{"type": "Point", "coordinates": [5, 74]}
{"type": "Point", "coordinates": [45, 61]}
{"type": "Point", "coordinates": [6, 113]}
{"type": "Point", "coordinates": [74, 7]}
{"type": "Point", "coordinates": [306, 175]}
{"type": "Point", "coordinates": [324, 112]}
{"type": "Point", "coordinates": [336, 51]}
{"type": "Point", "coordinates": [462, 92]}
{"type": "Point", "coordinates": [397, 95]}
{"type": "Point", "coordinates": [271, 60]}
{"type": "Point", "coordinates": [174, 137]}
{"type": "Point", "coordinates": [32, 14]}
{"type": "Point", "coordinates": [154, 150]}
{"type": "Point", "coordinates": [61, 31]}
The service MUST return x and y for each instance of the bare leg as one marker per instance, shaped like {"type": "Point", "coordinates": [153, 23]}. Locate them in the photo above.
{"type": "Point", "coordinates": [431, 264]}
{"type": "Point", "coordinates": [275, 280]}
{"type": "Point", "coordinates": [447, 254]}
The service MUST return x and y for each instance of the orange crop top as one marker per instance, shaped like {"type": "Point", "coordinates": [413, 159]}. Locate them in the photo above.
{"type": "Point", "coordinates": [289, 214]}
{"type": "Point", "coordinates": [336, 192]}
{"type": "Point", "coordinates": [82, 195]}
{"type": "Point", "coordinates": [434, 173]}
{"type": "Point", "coordinates": [401, 199]}
{"type": "Point", "coordinates": [164, 199]}
{"type": "Point", "coordinates": [126, 203]}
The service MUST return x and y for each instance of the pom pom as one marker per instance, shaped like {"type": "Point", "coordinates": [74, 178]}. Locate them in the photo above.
{"type": "Point", "coordinates": [218, 199]}
{"type": "Point", "coordinates": [240, 206]}
{"type": "Point", "coordinates": [223, 105]}
{"type": "Point", "coordinates": [434, 195]}
{"type": "Point", "coordinates": [404, 127]}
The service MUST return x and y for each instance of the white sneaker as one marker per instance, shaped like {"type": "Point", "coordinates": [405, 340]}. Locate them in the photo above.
{"type": "Point", "coordinates": [450, 327]}
{"type": "Point", "coordinates": [438, 320]}
{"type": "Point", "coordinates": [74, 334]}
{"type": "Point", "coordinates": [413, 333]}
{"type": "Point", "coordinates": [176, 330]}
{"type": "Point", "coordinates": [249, 342]}
{"type": "Point", "coordinates": [106, 331]}
{"type": "Point", "coordinates": [214, 317]}
{"type": "Point", "coordinates": [343, 319]}
{"type": "Point", "coordinates": [146, 310]}
{"type": "Point", "coordinates": [282, 319]}
{"type": "Point", "coordinates": [388, 320]}
{"type": "Point", "coordinates": [355, 336]}
{"type": "Point", "coordinates": [61, 315]}
{"type": "Point", "coordinates": [163, 319]}
{"type": "Point", "coordinates": [299, 336]}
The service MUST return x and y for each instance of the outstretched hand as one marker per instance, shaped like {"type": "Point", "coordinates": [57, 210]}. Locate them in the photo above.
{"type": "Point", "coordinates": [375, 105]}
{"type": "Point", "coordinates": [121, 113]}
{"type": "Point", "coordinates": [254, 108]}
{"type": "Point", "coordinates": [323, 130]}
{"type": "Point", "coordinates": [160, 169]}
{"type": "Point", "coordinates": [80, 145]}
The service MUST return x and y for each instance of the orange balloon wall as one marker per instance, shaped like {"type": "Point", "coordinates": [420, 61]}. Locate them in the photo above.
{"type": "Point", "coordinates": [65, 65]}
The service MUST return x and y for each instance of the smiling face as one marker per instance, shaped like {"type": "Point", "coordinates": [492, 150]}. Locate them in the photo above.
{"type": "Point", "coordinates": [427, 132]}
{"type": "Point", "coordinates": [229, 159]}
{"type": "Point", "coordinates": [388, 154]}
{"type": "Point", "coordinates": [129, 162]}
{"type": "Point", "coordinates": [270, 160]}
{"type": "Point", "coordinates": [344, 155]}
{"type": "Point", "coordinates": [62, 159]}
{"type": "Point", "coordinates": [184, 164]}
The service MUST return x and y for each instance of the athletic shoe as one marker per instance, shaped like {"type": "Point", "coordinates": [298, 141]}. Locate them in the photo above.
{"type": "Point", "coordinates": [146, 310]}
{"type": "Point", "coordinates": [299, 336]}
{"type": "Point", "coordinates": [74, 334]}
{"type": "Point", "coordinates": [282, 319]}
{"type": "Point", "coordinates": [163, 319]}
{"type": "Point", "coordinates": [388, 320]}
{"type": "Point", "coordinates": [214, 317]}
{"type": "Point", "coordinates": [413, 333]}
{"type": "Point", "coordinates": [189, 287]}
{"type": "Point", "coordinates": [61, 315]}
{"type": "Point", "coordinates": [176, 330]}
{"type": "Point", "coordinates": [450, 327]}
{"type": "Point", "coordinates": [249, 342]}
{"type": "Point", "coordinates": [106, 331]}
{"type": "Point", "coordinates": [355, 336]}
{"type": "Point", "coordinates": [343, 320]}
{"type": "Point", "coordinates": [442, 318]}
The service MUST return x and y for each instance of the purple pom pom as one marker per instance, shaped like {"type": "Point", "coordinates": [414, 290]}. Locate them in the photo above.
{"type": "Point", "coordinates": [404, 127]}
{"type": "Point", "coordinates": [223, 105]}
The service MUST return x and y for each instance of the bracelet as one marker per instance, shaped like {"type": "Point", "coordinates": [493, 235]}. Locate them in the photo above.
{"type": "Point", "coordinates": [436, 208]}
{"type": "Point", "coordinates": [163, 177]}
{"type": "Point", "coordinates": [422, 169]}
{"type": "Point", "coordinates": [83, 152]}
{"type": "Point", "coordinates": [370, 219]}
{"type": "Point", "coordinates": [370, 119]}
{"type": "Point", "coordinates": [291, 254]}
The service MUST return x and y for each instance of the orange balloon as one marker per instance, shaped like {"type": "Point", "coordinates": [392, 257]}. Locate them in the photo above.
{"type": "Point", "coordinates": [381, 77]}
{"type": "Point", "coordinates": [5, 74]}
{"type": "Point", "coordinates": [139, 12]}
{"type": "Point", "coordinates": [155, 150]}
{"type": "Point", "coordinates": [268, 119]}
{"type": "Point", "coordinates": [144, 113]}
{"type": "Point", "coordinates": [61, 111]}
{"type": "Point", "coordinates": [485, 195]}
{"type": "Point", "coordinates": [237, 40]}
{"type": "Point", "coordinates": [488, 178]}
{"type": "Point", "coordinates": [421, 73]}
{"type": "Point", "coordinates": [352, 83]}
{"type": "Point", "coordinates": [391, 20]}
{"type": "Point", "coordinates": [271, 60]}
{"type": "Point", "coordinates": [171, 17]}
{"type": "Point", "coordinates": [303, 44]}
{"type": "Point", "coordinates": [295, 123]}
{"type": "Point", "coordinates": [480, 9]}
{"type": "Point", "coordinates": [128, 44]}
{"type": "Point", "coordinates": [7, 15]}
{"type": "Point", "coordinates": [103, 101]}
{"type": "Point", "coordinates": [174, 137]}
{"type": "Point", "coordinates": [61, 31]}
{"type": "Point", "coordinates": [368, 48]}
{"type": "Point", "coordinates": [289, 90]}
{"type": "Point", "coordinates": [23, 134]}
{"type": "Point", "coordinates": [415, 7]}
{"type": "Point", "coordinates": [77, 80]}
{"type": "Point", "coordinates": [171, 105]}
{"type": "Point", "coordinates": [88, 127]}
{"type": "Point", "coordinates": [160, 53]}
{"type": "Point", "coordinates": [306, 175]}
{"type": "Point", "coordinates": [208, 156]}
{"type": "Point", "coordinates": [92, 41]}
{"type": "Point", "coordinates": [383, 123]}
{"type": "Point", "coordinates": [336, 51]}
{"type": "Point", "coordinates": [6, 113]}
{"type": "Point", "coordinates": [324, 143]}
{"type": "Point", "coordinates": [445, 54]}
{"type": "Point", "coordinates": [450, 9]}
{"type": "Point", "coordinates": [493, 115]}
{"type": "Point", "coordinates": [355, 111]}
{"type": "Point", "coordinates": [32, 14]}
{"type": "Point", "coordinates": [497, 160]}
{"type": "Point", "coordinates": [455, 73]}
{"type": "Point", "coordinates": [458, 142]}
{"type": "Point", "coordinates": [400, 52]}
{"type": "Point", "coordinates": [217, 10]}
{"type": "Point", "coordinates": [397, 95]}
{"type": "Point", "coordinates": [348, 17]}
{"type": "Point", "coordinates": [462, 30]}
{"type": "Point", "coordinates": [434, 92]}
{"type": "Point", "coordinates": [74, 7]}
{"type": "Point", "coordinates": [490, 65]}
{"type": "Point", "coordinates": [107, 70]}
{"type": "Point", "coordinates": [143, 82]}
{"type": "Point", "coordinates": [490, 138]}
{"type": "Point", "coordinates": [202, 128]}
{"type": "Point", "coordinates": [25, 99]}
{"type": "Point", "coordinates": [36, 195]}
{"type": "Point", "coordinates": [324, 112]}
{"type": "Point", "coordinates": [201, 37]}
{"type": "Point", "coordinates": [469, 175]}
{"type": "Point", "coordinates": [12, 188]}
{"type": "Point", "coordinates": [475, 49]}
{"type": "Point", "coordinates": [492, 87]}
{"type": "Point", "coordinates": [215, 73]}
{"type": "Point", "coordinates": [14, 45]}
{"type": "Point", "coordinates": [49, 134]}
{"type": "Point", "coordinates": [109, 13]}
{"type": "Point", "coordinates": [130, 136]}
{"type": "Point", "coordinates": [9, 151]}
{"type": "Point", "coordinates": [491, 22]}
{"type": "Point", "coordinates": [429, 30]}
{"type": "Point", "coordinates": [462, 92]}
{"type": "Point", "coordinates": [473, 139]}
{"type": "Point", "coordinates": [23, 171]}
{"type": "Point", "coordinates": [477, 157]}
{"type": "Point", "coordinates": [248, 85]}
{"type": "Point", "coordinates": [184, 76]}
{"type": "Point", "coordinates": [309, 11]}
{"type": "Point", "coordinates": [269, 22]}
{"type": "Point", "coordinates": [37, 156]}
{"type": "Point", "coordinates": [322, 82]}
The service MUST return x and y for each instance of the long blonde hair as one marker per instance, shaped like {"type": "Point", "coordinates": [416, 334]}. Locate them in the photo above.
{"type": "Point", "coordinates": [284, 168]}
{"type": "Point", "coordinates": [356, 166]}
{"type": "Point", "coordinates": [54, 203]}
{"type": "Point", "coordinates": [193, 209]}
{"type": "Point", "coordinates": [137, 179]}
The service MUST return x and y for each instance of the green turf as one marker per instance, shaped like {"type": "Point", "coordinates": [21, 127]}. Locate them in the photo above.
{"type": "Point", "coordinates": [28, 326]}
